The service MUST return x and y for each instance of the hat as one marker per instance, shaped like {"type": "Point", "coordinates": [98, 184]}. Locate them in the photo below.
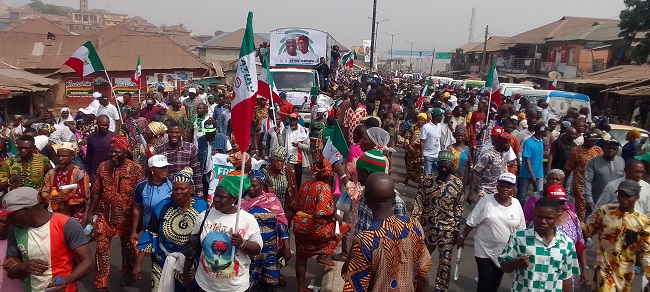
{"type": "Point", "coordinates": [151, 101]}
{"type": "Point", "coordinates": [20, 198]}
{"type": "Point", "coordinates": [67, 146]}
{"type": "Point", "coordinates": [87, 111]}
{"type": "Point", "coordinates": [209, 126]}
{"type": "Point", "coordinates": [96, 95]}
{"type": "Point", "coordinates": [437, 112]}
{"type": "Point", "coordinates": [283, 94]}
{"type": "Point", "coordinates": [185, 175]}
{"type": "Point", "coordinates": [446, 155]}
{"type": "Point", "coordinates": [372, 161]}
{"type": "Point", "coordinates": [497, 131]}
{"type": "Point", "coordinates": [231, 185]}
{"type": "Point", "coordinates": [157, 128]}
{"type": "Point", "coordinates": [279, 153]}
{"type": "Point", "coordinates": [591, 136]}
{"type": "Point", "coordinates": [294, 116]}
{"type": "Point", "coordinates": [645, 157]}
{"type": "Point", "coordinates": [630, 187]}
{"type": "Point", "coordinates": [507, 177]}
{"type": "Point", "coordinates": [613, 141]}
{"type": "Point", "coordinates": [120, 142]}
{"type": "Point", "coordinates": [446, 95]}
{"type": "Point", "coordinates": [556, 192]}
{"type": "Point", "coordinates": [158, 161]}
{"type": "Point", "coordinates": [103, 97]}
{"type": "Point", "coordinates": [540, 128]}
{"type": "Point", "coordinates": [423, 115]}
{"type": "Point", "coordinates": [192, 90]}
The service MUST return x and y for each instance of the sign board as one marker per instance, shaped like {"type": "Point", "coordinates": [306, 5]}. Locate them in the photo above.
{"type": "Point", "coordinates": [366, 50]}
{"type": "Point", "coordinates": [77, 87]}
{"type": "Point", "coordinates": [298, 47]}
{"type": "Point", "coordinates": [176, 81]}
{"type": "Point", "coordinates": [124, 85]}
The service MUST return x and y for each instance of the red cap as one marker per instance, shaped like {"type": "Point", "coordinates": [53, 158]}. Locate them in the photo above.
{"type": "Point", "coordinates": [497, 131]}
{"type": "Point", "coordinates": [556, 192]}
{"type": "Point", "coordinates": [294, 116]}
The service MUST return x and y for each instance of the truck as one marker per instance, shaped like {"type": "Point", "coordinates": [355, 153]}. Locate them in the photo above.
{"type": "Point", "coordinates": [294, 52]}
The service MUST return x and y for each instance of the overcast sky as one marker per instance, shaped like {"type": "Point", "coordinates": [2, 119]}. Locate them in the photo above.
{"type": "Point", "coordinates": [432, 23]}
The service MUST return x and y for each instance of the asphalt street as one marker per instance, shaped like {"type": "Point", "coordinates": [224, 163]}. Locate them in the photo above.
{"type": "Point", "coordinates": [465, 282]}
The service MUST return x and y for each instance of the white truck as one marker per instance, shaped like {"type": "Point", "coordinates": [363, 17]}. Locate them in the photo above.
{"type": "Point", "coordinates": [294, 52]}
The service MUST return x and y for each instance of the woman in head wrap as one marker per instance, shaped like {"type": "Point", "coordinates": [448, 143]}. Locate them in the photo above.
{"type": "Point", "coordinates": [216, 271]}
{"type": "Point", "coordinates": [168, 230]}
{"type": "Point", "coordinates": [65, 117]}
{"type": "Point", "coordinates": [462, 155]}
{"type": "Point", "coordinates": [236, 160]}
{"type": "Point", "coordinates": [281, 176]}
{"type": "Point", "coordinates": [314, 221]}
{"type": "Point", "coordinates": [632, 147]}
{"type": "Point", "coordinates": [414, 162]}
{"type": "Point", "coordinates": [155, 135]}
{"type": "Point", "coordinates": [269, 213]}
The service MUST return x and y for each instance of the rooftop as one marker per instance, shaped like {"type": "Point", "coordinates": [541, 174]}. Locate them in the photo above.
{"type": "Point", "coordinates": [41, 26]}
{"type": "Point", "coordinates": [599, 32]}
{"type": "Point", "coordinates": [563, 26]}
{"type": "Point", "coordinates": [231, 40]}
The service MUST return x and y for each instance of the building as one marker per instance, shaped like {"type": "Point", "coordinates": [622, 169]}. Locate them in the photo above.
{"type": "Point", "coordinates": [225, 47]}
{"type": "Point", "coordinates": [19, 89]}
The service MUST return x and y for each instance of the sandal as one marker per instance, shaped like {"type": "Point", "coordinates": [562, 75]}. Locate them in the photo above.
{"type": "Point", "coordinates": [325, 261]}
{"type": "Point", "coordinates": [339, 257]}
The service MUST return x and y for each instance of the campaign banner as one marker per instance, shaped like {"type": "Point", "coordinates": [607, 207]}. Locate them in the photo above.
{"type": "Point", "coordinates": [367, 45]}
{"type": "Point", "coordinates": [298, 47]}
{"type": "Point", "coordinates": [125, 85]}
{"type": "Point", "coordinates": [77, 87]}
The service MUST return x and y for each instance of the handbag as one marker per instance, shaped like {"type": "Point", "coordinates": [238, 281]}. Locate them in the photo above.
{"type": "Point", "coordinates": [192, 249]}
{"type": "Point", "coordinates": [580, 245]}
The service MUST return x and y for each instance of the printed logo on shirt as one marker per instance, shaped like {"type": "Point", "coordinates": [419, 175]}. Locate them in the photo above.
{"type": "Point", "coordinates": [217, 252]}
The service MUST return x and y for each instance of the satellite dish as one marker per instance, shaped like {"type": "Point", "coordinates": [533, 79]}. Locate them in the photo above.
{"type": "Point", "coordinates": [554, 75]}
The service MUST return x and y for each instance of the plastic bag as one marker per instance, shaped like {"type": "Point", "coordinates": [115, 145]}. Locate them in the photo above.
{"type": "Point", "coordinates": [344, 202]}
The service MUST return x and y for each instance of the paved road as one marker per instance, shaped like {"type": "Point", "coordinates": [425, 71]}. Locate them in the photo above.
{"type": "Point", "coordinates": [466, 281]}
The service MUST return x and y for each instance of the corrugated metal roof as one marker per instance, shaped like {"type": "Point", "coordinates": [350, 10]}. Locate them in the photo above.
{"type": "Point", "coordinates": [494, 43]}
{"type": "Point", "coordinates": [599, 31]}
{"type": "Point", "coordinates": [34, 51]}
{"type": "Point", "coordinates": [231, 40]}
{"type": "Point", "coordinates": [636, 91]}
{"type": "Point", "coordinates": [41, 25]}
{"type": "Point", "coordinates": [468, 46]}
{"type": "Point", "coordinates": [23, 81]}
{"type": "Point", "coordinates": [561, 27]}
{"type": "Point", "coordinates": [613, 76]}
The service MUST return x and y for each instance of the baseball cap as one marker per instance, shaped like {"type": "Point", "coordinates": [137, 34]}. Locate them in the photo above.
{"type": "Point", "coordinates": [96, 95]}
{"type": "Point", "coordinates": [497, 131]}
{"type": "Point", "coordinates": [294, 116]}
{"type": "Point", "coordinates": [591, 135]}
{"type": "Point", "coordinates": [20, 198]}
{"type": "Point", "coordinates": [192, 90]}
{"type": "Point", "coordinates": [87, 111]}
{"type": "Point", "coordinates": [629, 187]}
{"type": "Point", "coordinates": [103, 97]}
{"type": "Point", "coordinates": [423, 115]}
{"type": "Point", "coordinates": [613, 141]}
{"type": "Point", "coordinates": [436, 112]}
{"type": "Point", "coordinates": [507, 177]}
{"type": "Point", "coordinates": [556, 192]}
{"type": "Point", "coordinates": [209, 126]}
{"type": "Point", "coordinates": [158, 161]}
{"type": "Point", "coordinates": [645, 157]}
{"type": "Point", "coordinates": [540, 128]}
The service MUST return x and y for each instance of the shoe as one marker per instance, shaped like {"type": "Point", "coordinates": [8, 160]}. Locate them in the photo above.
{"type": "Point", "coordinates": [102, 290]}
{"type": "Point", "coordinates": [126, 280]}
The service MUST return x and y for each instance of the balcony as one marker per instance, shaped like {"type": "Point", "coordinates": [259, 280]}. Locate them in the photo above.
{"type": "Point", "coordinates": [516, 65]}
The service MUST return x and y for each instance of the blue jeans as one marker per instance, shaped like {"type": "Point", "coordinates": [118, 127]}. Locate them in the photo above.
{"type": "Point", "coordinates": [430, 165]}
{"type": "Point", "coordinates": [523, 185]}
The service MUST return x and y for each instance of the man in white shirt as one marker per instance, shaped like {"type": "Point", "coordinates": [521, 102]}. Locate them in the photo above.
{"type": "Point", "coordinates": [202, 96]}
{"type": "Point", "coordinates": [95, 103]}
{"type": "Point", "coordinates": [430, 136]}
{"type": "Point", "coordinates": [634, 170]}
{"type": "Point", "coordinates": [105, 108]}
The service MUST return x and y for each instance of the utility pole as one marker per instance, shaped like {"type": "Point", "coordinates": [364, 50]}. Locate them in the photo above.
{"type": "Point", "coordinates": [392, 36]}
{"type": "Point", "coordinates": [433, 58]}
{"type": "Point", "coordinates": [472, 24]}
{"type": "Point", "coordinates": [372, 41]}
{"type": "Point", "coordinates": [411, 55]}
{"type": "Point", "coordinates": [484, 57]}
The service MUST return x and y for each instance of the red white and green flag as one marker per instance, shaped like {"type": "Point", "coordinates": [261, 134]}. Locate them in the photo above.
{"type": "Point", "coordinates": [492, 85]}
{"type": "Point", "coordinates": [85, 60]}
{"type": "Point", "coordinates": [425, 91]}
{"type": "Point", "coordinates": [553, 85]}
{"type": "Point", "coordinates": [245, 88]}
{"type": "Point", "coordinates": [348, 58]}
{"type": "Point", "coordinates": [137, 73]}
{"type": "Point", "coordinates": [336, 145]}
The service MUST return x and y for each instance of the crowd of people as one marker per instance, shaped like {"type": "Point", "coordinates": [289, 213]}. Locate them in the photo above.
{"type": "Point", "coordinates": [165, 177]}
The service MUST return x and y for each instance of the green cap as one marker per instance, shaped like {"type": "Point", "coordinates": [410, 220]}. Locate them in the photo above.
{"type": "Point", "coordinates": [231, 185]}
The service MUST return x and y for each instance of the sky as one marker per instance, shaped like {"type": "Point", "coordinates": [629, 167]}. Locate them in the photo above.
{"type": "Point", "coordinates": [443, 25]}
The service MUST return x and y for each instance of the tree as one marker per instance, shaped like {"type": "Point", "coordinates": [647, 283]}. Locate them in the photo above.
{"type": "Point", "coordinates": [41, 7]}
{"type": "Point", "coordinates": [635, 28]}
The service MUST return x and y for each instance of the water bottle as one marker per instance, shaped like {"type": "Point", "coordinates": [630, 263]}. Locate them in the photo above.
{"type": "Point", "coordinates": [54, 280]}
{"type": "Point", "coordinates": [89, 228]}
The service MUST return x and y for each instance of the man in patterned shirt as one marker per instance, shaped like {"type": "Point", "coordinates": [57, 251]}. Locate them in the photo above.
{"type": "Point", "coordinates": [391, 255]}
{"type": "Point", "coordinates": [623, 239]}
{"type": "Point", "coordinates": [542, 258]}
{"type": "Point", "coordinates": [181, 154]}
{"type": "Point", "coordinates": [353, 116]}
{"type": "Point", "coordinates": [25, 170]}
{"type": "Point", "coordinates": [489, 165]}
{"type": "Point", "coordinates": [439, 207]}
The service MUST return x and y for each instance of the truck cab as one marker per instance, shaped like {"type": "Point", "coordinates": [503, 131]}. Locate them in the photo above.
{"type": "Point", "coordinates": [298, 83]}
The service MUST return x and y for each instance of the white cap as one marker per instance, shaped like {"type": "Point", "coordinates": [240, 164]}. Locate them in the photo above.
{"type": "Point", "coordinates": [192, 90]}
{"type": "Point", "coordinates": [87, 111]}
{"type": "Point", "coordinates": [507, 177]}
{"type": "Point", "coordinates": [96, 95]}
{"type": "Point", "coordinates": [158, 161]}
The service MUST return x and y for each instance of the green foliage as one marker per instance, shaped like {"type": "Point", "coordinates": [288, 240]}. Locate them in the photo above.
{"type": "Point", "coordinates": [635, 27]}
{"type": "Point", "coordinates": [44, 8]}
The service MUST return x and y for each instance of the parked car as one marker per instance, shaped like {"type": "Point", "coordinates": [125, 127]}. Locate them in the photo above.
{"type": "Point", "coordinates": [618, 132]}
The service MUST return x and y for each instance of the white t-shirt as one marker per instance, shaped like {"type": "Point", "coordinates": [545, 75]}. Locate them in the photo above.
{"type": "Point", "coordinates": [431, 135]}
{"type": "Point", "coordinates": [215, 271]}
{"type": "Point", "coordinates": [494, 223]}
{"type": "Point", "coordinates": [112, 113]}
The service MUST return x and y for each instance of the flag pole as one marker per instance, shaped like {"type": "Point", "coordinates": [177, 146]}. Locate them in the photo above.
{"type": "Point", "coordinates": [113, 95]}
{"type": "Point", "coordinates": [241, 193]}
{"type": "Point", "coordinates": [269, 78]}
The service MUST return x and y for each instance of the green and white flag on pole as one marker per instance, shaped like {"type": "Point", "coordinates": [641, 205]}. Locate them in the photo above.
{"type": "Point", "coordinates": [85, 60]}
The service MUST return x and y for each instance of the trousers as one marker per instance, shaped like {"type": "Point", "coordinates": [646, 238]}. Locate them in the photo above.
{"type": "Point", "coordinates": [489, 275]}
{"type": "Point", "coordinates": [102, 257]}
{"type": "Point", "coordinates": [444, 241]}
